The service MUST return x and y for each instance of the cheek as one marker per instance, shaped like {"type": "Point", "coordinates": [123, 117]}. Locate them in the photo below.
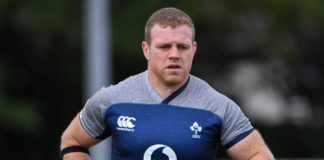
{"type": "Point", "coordinates": [189, 58]}
{"type": "Point", "coordinates": [159, 57]}
{"type": "Point", "coordinates": [156, 60]}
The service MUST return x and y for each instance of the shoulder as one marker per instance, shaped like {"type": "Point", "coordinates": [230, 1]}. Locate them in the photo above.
{"type": "Point", "coordinates": [203, 96]}
{"type": "Point", "coordinates": [199, 94]}
{"type": "Point", "coordinates": [130, 83]}
{"type": "Point", "coordinates": [133, 80]}
{"type": "Point", "coordinates": [202, 90]}
{"type": "Point", "coordinates": [113, 93]}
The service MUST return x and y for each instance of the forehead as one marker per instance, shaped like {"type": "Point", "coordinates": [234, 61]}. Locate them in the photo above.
{"type": "Point", "coordinates": [179, 34]}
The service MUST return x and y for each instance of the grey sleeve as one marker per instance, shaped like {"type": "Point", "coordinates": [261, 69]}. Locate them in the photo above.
{"type": "Point", "coordinates": [92, 115]}
{"type": "Point", "coordinates": [236, 125]}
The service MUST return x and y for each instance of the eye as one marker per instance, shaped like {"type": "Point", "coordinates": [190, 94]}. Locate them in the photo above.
{"type": "Point", "coordinates": [166, 46]}
{"type": "Point", "coordinates": [183, 47]}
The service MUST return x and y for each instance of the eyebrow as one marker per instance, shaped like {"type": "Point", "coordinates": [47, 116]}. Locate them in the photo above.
{"type": "Point", "coordinates": [169, 43]}
{"type": "Point", "coordinates": [163, 44]}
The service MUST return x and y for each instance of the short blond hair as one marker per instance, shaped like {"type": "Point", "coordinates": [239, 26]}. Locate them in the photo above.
{"type": "Point", "coordinates": [165, 17]}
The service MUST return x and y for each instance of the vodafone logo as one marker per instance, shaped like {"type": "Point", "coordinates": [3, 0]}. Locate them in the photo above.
{"type": "Point", "coordinates": [166, 150]}
{"type": "Point", "coordinates": [125, 123]}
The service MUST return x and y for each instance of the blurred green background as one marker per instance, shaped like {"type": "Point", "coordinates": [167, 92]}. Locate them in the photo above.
{"type": "Point", "coordinates": [266, 55]}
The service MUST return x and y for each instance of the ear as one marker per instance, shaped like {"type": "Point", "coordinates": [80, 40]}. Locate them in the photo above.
{"type": "Point", "coordinates": [146, 50]}
{"type": "Point", "coordinates": [194, 48]}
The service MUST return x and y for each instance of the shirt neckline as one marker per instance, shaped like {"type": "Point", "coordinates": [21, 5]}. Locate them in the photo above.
{"type": "Point", "coordinates": [175, 93]}
{"type": "Point", "coordinates": [157, 96]}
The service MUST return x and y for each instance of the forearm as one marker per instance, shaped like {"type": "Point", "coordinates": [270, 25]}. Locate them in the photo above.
{"type": "Point", "coordinates": [67, 141]}
{"type": "Point", "coordinates": [251, 148]}
{"type": "Point", "coordinates": [75, 137]}
{"type": "Point", "coordinates": [263, 155]}
{"type": "Point", "coordinates": [257, 156]}
{"type": "Point", "coordinates": [76, 156]}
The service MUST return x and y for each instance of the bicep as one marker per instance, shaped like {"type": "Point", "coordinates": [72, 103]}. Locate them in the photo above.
{"type": "Point", "coordinates": [250, 147]}
{"type": "Point", "coordinates": [75, 135]}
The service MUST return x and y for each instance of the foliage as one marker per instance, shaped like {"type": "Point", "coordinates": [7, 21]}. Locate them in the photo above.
{"type": "Point", "coordinates": [41, 63]}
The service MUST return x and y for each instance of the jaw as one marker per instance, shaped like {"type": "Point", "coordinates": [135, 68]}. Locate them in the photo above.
{"type": "Point", "coordinates": [167, 77]}
{"type": "Point", "coordinates": [174, 78]}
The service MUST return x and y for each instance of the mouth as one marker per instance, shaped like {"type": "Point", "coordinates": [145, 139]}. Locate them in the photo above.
{"type": "Point", "coordinates": [174, 68]}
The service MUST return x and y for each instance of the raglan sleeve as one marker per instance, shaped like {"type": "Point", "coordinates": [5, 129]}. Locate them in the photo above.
{"type": "Point", "coordinates": [236, 126]}
{"type": "Point", "coordinates": [92, 115]}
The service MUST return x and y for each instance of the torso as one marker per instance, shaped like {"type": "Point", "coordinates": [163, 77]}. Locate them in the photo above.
{"type": "Point", "coordinates": [186, 125]}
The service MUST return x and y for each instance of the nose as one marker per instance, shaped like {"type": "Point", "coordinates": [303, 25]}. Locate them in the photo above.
{"type": "Point", "coordinates": [174, 53]}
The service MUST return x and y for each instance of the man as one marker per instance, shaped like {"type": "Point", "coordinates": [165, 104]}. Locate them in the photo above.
{"type": "Point", "coordinates": [164, 112]}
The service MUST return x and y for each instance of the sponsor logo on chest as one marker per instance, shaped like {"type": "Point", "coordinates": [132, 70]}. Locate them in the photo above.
{"type": "Point", "coordinates": [125, 123]}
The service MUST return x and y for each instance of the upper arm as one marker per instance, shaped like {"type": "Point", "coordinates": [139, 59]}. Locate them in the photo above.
{"type": "Point", "coordinates": [236, 126]}
{"type": "Point", "coordinates": [251, 147]}
{"type": "Point", "coordinates": [75, 135]}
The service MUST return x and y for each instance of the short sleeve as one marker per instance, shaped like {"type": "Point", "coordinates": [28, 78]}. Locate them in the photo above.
{"type": "Point", "coordinates": [92, 115]}
{"type": "Point", "coordinates": [236, 126]}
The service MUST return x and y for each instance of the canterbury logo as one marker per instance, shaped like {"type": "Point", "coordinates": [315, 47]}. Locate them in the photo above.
{"type": "Point", "coordinates": [125, 123]}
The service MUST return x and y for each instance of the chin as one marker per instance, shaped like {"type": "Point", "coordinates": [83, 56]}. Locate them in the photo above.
{"type": "Point", "coordinates": [174, 80]}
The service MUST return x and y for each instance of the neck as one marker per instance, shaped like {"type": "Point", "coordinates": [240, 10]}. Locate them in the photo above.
{"type": "Point", "coordinates": [163, 88]}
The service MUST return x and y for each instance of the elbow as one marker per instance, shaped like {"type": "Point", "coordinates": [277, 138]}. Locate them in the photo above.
{"type": "Point", "coordinates": [267, 155]}
{"type": "Point", "coordinates": [68, 140]}
{"type": "Point", "coordinates": [64, 140]}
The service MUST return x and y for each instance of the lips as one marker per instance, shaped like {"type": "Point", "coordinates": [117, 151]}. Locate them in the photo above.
{"type": "Point", "coordinates": [174, 66]}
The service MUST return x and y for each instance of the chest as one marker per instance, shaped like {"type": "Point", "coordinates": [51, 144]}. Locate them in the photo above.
{"type": "Point", "coordinates": [142, 131]}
